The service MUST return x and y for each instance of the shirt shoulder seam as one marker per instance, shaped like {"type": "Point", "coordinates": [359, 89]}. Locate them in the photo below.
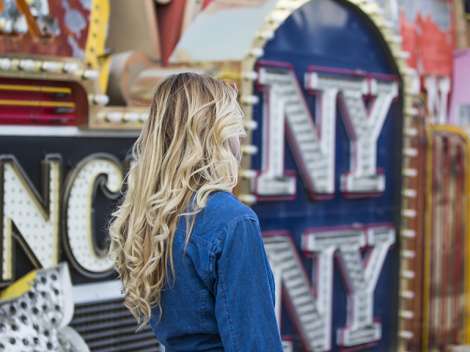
{"type": "Point", "coordinates": [228, 226]}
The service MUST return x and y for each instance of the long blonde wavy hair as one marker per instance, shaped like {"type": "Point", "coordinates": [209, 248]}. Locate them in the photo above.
{"type": "Point", "coordinates": [181, 156]}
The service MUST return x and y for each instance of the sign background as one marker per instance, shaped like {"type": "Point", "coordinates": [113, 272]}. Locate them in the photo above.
{"type": "Point", "coordinates": [327, 33]}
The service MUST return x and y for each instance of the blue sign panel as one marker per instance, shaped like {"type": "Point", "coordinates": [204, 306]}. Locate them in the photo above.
{"type": "Point", "coordinates": [328, 184]}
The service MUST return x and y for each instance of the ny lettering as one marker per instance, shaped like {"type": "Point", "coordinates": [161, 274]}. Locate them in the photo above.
{"type": "Point", "coordinates": [312, 314]}
{"type": "Point", "coordinates": [313, 140]}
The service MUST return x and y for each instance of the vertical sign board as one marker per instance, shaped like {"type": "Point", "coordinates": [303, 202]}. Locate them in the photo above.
{"type": "Point", "coordinates": [328, 183]}
{"type": "Point", "coordinates": [445, 315]}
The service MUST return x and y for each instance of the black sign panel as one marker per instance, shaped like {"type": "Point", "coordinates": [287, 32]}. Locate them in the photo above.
{"type": "Point", "coordinates": [29, 152]}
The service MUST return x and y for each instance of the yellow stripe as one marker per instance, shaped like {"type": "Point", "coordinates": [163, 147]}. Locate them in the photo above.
{"type": "Point", "coordinates": [427, 238]}
{"type": "Point", "coordinates": [95, 49]}
{"type": "Point", "coordinates": [96, 39]}
{"type": "Point", "coordinates": [27, 88]}
{"type": "Point", "coordinates": [53, 104]}
{"type": "Point", "coordinates": [104, 73]}
{"type": "Point", "coordinates": [19, 287]}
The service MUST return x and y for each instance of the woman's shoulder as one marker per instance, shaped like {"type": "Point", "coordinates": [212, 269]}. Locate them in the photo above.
{"type": "Point", "coordinates": [222, 209]}
{"type": "Point", "coordinates": [226, 207]}
{"type": "Point", "coordinates": [228, 219]}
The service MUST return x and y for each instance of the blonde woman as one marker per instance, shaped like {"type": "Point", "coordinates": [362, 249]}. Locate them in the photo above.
{"type": "Point", "coordinates": [190, 255]}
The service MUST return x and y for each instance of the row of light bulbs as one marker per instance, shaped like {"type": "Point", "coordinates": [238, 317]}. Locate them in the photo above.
{"type": "Point", "coordinates": [49, 66]}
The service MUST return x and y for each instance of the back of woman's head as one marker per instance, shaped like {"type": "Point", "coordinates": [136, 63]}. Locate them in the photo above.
{"type": "Point", "coordinates": [182, 154]}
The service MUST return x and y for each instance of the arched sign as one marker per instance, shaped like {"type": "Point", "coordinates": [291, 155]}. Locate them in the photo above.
{"type": "Point", "coordinates": [328, 111]}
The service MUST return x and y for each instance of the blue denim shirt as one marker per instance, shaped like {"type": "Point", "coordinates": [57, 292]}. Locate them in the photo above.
{"type": "Point", "coordinates": [222, 295]}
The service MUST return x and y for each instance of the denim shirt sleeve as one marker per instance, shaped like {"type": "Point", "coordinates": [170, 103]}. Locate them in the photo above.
{"type": "Point", "coordinates": [244, 290]}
